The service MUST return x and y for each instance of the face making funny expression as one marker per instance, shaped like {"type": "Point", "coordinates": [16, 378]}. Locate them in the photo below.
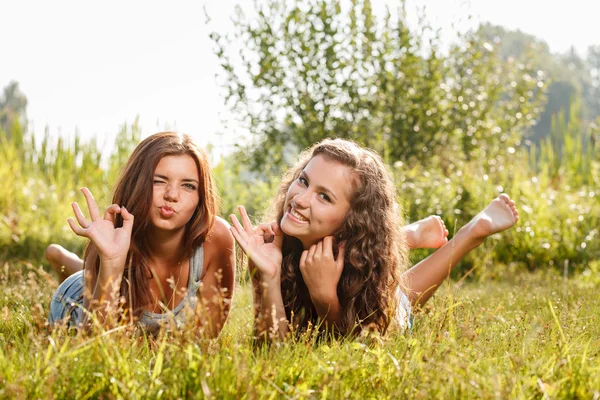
{"type": "Point", "coordinates": [175, 194]}
{"type": "Point", "coordinates": [318, 201]}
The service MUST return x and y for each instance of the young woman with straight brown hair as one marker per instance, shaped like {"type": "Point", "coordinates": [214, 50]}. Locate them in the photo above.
{"type": "Point", "coordinates": [159, 254]}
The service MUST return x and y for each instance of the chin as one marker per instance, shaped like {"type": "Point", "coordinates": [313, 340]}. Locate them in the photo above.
{"type": "Point", "coordinates": [285, 228]}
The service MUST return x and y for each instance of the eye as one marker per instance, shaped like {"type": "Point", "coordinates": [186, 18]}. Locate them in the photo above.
{"type": "Point", "coordinates": [189, 186]}
{"type": "Point", "coordinates": [302, 181]}
{"type": "Point", "coordinates": [158, 182]}
{"type": "Point", "coordinates": [325, 197]}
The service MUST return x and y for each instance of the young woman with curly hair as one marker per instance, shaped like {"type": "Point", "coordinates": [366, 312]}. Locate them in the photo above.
{"type": "Point", "coordinates": [336, 257]}
{"type": "Point", "coordinates": [160, 253]}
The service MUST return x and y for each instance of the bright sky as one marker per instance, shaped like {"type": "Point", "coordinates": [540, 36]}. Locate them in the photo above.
{"type": "Point", "coordinates": [93, 66]}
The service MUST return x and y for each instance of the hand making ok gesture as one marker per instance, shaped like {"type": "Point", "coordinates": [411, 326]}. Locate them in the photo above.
{"type": "Point", "coordinates": [262, 244]}
{"type": "Point", "coordinates": [111, 243]}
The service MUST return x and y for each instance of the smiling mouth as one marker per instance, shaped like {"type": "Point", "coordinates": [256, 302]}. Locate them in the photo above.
{"type": "Point", "coordinates": [296, 215]}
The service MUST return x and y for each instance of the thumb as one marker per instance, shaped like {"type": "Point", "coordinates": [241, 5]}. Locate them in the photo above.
{"type": "Point", "coordinates": [339, 262]}
{"type": "Point", "coordinates": [127, 219]}
{"type": "Point", "coordinates": [278, 238]}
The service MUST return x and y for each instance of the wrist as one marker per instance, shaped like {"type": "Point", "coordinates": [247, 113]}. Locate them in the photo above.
{"type": "Point", "coordinates": [113, 264]}
{"type": "Point", "coordinates": [268, 278]}
{"type": "Point", "coordinates": [325, 299]}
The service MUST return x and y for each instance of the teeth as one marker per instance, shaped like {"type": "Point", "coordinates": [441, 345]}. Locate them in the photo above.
{"type": "Point", "coordinates": [295, 214]}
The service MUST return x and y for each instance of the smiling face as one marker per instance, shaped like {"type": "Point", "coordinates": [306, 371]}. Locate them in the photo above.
{"type": "Point", "coordinates": [317, 202]}
{"type": "Point", "coordinates": [175, 193]}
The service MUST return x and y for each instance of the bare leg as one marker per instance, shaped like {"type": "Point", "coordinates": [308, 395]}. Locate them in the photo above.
{"type": "Point", "coordinates": [427, 233]}
{"type": "Point", "coordinates": [425, 277]}
{"type": "Point", "coordinates": [63, 261]}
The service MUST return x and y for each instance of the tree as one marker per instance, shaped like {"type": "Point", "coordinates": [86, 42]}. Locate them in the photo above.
{"type": "Point", "coordinates": [13, 105]}
{"type": "Point", "coordinates": [316, 69]}
{"type": "Point", "coordinates": [593, 93]}
{"type": "Point", "coordinates": [571, 78]}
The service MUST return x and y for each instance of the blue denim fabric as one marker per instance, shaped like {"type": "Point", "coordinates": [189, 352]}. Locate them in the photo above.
{"type": "Point", "coordinates": [67, 301]}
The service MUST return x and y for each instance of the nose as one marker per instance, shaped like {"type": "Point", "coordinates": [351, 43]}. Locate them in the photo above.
{"type": "Point", "coordinates": [301, 199]}
{"type": "Point", "coordinates": [171, 193]}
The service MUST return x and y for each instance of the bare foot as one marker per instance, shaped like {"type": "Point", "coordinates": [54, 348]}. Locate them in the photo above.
{"type": "Point", "coordinates": [498, 216]}
{"type": "Point", "coordinates": [63, 261]}
{"type": "Point", "coordinates": [427, 233]}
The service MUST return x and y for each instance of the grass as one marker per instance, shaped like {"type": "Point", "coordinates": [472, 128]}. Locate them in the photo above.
{"type": "Point", "coordinates": [527, 335]}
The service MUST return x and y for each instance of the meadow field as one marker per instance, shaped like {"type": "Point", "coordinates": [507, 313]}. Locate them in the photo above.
{"type": "Point", "coordinates": [520, 335]}
{"type": "Point", "coordinates": [518, 317]}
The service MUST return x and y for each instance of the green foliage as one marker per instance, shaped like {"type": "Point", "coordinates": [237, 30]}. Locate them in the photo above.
{"type": "Point", "coordinates": [558, 222]}
{"type": "Point", "coordinates": [317, 69]}
{"type": "Point", "coordinates": [568, 152]}
{"type": "Point", "coordinates": [13, 105]}
{"type": "Point", "coordinates": [571, 79]}
{"type": "Point", "coordinates": [525, 336]}
{"type": "Point", "coordinates": [452, 123]}
{"type": "Point", "coordinates": [41, 181]}
{"type": "Point", "coordinates": [238, 185]}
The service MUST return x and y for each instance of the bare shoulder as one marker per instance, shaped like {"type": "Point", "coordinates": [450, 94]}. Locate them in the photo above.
{"type": "Point", "coordinates": [220, 240]}
{"type": "Point", "coordinates": [219, 250]}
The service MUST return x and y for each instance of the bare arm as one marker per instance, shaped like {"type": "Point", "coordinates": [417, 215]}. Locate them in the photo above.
{"type": "Point", "coordinates": [101, 296]}
{"type": "Point", "coordinates": [219, 279]}
{"type": "Point", "coordinates": [321, 273]}
{"type": "Point", "coordinates": [111, 246]}
{"type": "Point", "coordinates": [271, 321]}
{"type": "Point", "coordinates": [263, 247]}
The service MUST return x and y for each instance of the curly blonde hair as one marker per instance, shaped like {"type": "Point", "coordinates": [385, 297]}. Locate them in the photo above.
{"type": "Point", "coordinates": [375, 249]}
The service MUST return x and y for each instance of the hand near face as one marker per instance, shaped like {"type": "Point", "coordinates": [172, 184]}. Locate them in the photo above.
{"type": "Point", "coordinates": [321, 272]}
{"type": "Point", "coordinates": [111, 243]}
{"type": "Point", "coordinates": [262, 245]}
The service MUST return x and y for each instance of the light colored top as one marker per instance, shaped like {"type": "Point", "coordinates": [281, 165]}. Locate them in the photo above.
{"type": "Point", "coordinates": [404, 311]}
{"type": "Point", "coordinates": [152, 321]}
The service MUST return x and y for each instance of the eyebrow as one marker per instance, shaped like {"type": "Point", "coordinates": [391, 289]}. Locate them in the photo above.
{"type": "Point", "coordinates": [184, 180]}
{"type": "Point", "coordinates": [319, 187]}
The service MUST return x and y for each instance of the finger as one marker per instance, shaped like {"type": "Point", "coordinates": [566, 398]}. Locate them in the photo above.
{"type": "Point", "coordinates": [328, 247]}
{"type": "Point", "coordinates": [266, 231]}
{"type": "Point", "coordinates": [303, 259]}
{"type": "Point", "coordinates": [278, 238]}
{"type": "Point", "coordinates": [75, 228]}
{"type": "Point", "coordinates": [341, 253]}
{"type": "Point", "coordinates": [245, 220]}
{"type": "Point", "coordinates": [128, 219]}
{"type": "Point", "coordinates": [79, 215]}
{"type": "Point", "coordinates": [270, 229]}
{"type": "Point", "coordinates": [275, 227]}
{"type": "Point", "coordinates": [111, 212]}
{"type": "Point", "coordinates": [319, 250]}
{"type": "Point", "coordinates": [237, 226]}
{"type": "Point", "coordinates": [239, 239]}
{"type": "Point", "coordinates": [311, 253]}
{"type": "Point", "coordinates": [91, 203]}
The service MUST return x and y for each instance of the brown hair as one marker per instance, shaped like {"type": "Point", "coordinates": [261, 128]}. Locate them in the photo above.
{"type": "Point", "coordinates": [375, 250]}
{"type": "Point", "coordinates": [134, 191]}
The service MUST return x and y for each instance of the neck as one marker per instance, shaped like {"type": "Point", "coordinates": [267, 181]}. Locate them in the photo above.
{"type": "Point", "coordinates": [166, 247]}
{"type": "Point", "coordinates": [306, 244]}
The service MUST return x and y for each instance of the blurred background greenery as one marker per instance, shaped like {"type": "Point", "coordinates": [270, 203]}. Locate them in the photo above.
{"type": "Point", "coordinates": [494, 112]}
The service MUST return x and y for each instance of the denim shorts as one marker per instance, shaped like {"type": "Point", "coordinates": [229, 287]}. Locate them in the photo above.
{"type": "Point", "coordinates": [67, 301]}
